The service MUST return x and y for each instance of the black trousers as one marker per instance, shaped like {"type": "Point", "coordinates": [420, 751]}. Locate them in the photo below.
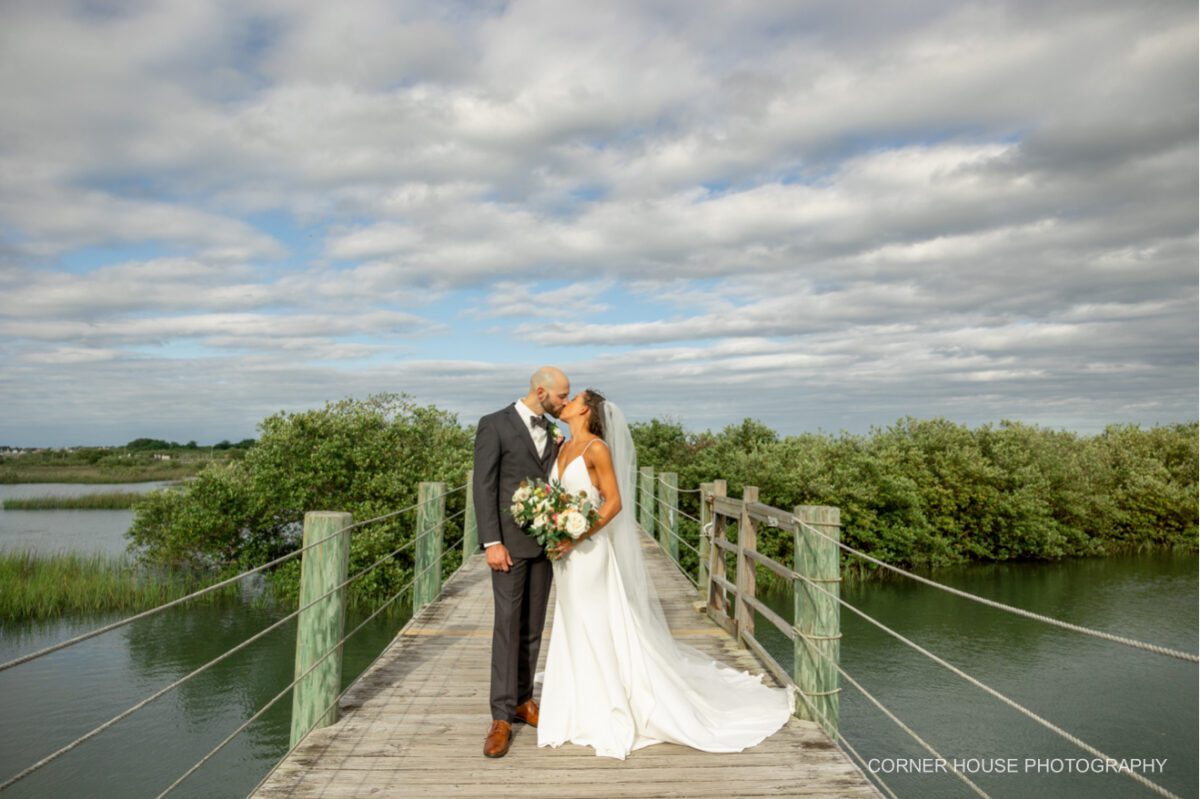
{"type": "Point", "coordinates": [520, 597]}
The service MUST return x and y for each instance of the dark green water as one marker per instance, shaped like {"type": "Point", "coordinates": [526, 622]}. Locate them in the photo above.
{"type": "Point", "coordinates": [1126, 702]}
{"type": "Point", "coordinates": [51, 701]}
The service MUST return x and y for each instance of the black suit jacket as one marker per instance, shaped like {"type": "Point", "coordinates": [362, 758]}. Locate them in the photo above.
{"type": "Point", "coordinates": [504, 456]}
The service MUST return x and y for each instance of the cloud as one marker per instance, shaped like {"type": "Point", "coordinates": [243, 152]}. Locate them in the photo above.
{"type": "Point", "coordinates": [981, 210]}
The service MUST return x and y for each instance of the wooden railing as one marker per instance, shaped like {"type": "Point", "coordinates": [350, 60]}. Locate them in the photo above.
{"type": "Point", "coordinates": [324, 567]}
{"type": "Point", "coordinates": [732, 604]}
{"type": "Point", "coordinates": [728, 535]}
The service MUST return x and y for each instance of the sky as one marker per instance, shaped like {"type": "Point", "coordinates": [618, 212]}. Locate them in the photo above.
{"type": "Point", "coordinates": [798, 212]}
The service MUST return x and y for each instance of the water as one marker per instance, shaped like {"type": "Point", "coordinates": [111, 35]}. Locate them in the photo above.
{"type": "Point", "coordinates": [1126, 702]}
{"type": "Point", "coordinates": [51, 701]}
{"type": "Point", "coordinates": [48, 531]}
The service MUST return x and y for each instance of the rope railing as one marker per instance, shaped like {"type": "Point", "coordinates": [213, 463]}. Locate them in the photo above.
{"type": "Point", "coordinates": [807, 639]}
{"type": "Point", "coordinates": [674, 534]}
{"type": "Point", "coordinates": [828, 725]}
{"type": "Point", "coordinates": [1160, 650]}
{"type": "Point", "coordinates": [677, 488]}
{"type": "Point", "coordinates": [328, 707]}
{"type": "Point", "coordinates": [1006, 700]}
{"type": "Point", "coordinates": [208, 589]}
{"type": "Point", "coordinates": [212, 752]}
{"type": "Point", "coordinates": [924, 744]}
{"type": "Point", "coordinates": [237, 648]}
{"type": "Point", "coordinates": [804, 696]}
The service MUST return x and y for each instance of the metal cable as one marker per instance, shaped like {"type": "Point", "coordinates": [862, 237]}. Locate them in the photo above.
{"type": "Point", "coordinates": [68, 747]}
{"type": "Point", "coordinates": [1015, 705]}
{"type": "Point", "coordinates": [147, 613]}
{"type": "Point", "coordinates": [1161, 650]}
{"type": "Point", "coordinates": [308, 671]}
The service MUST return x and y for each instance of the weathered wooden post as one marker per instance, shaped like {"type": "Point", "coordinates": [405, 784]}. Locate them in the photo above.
{"type": "Point", "coordinates": [818, 616]}
{"type": "Point", "coordinates": [743, 614]}
{"type": "Point", "coordinates": [470, 526]}
{"type": "Point", "coordinates": [706, 516]}
{"type": "Point", "coordinates": [320, 627]}
{"type": "Point", "coordinates": [668, 515]}
{"type": "Point", "coordinates": [646, 498]}
{"type": "Point", "coordinates": [716, 556]}
{"type": "Point", "coordinates": [428, 568]}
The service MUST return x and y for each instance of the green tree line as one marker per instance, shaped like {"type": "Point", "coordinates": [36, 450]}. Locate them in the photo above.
{"type": "Point", "coordinates": [925, 493]}
{"type": "Point", "coordinates": [920, 493]}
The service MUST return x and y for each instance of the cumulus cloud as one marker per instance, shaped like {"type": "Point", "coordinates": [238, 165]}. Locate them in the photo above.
{"type": "Point", "coordinates": [980, 210]}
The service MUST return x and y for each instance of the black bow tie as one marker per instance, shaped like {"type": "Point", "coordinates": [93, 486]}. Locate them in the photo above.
{"type": "Point", "coordinates": [540, 421]}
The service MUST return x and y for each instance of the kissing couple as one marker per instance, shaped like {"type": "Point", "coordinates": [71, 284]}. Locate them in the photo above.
{"type": "Point", "coordinates": [615, 678]}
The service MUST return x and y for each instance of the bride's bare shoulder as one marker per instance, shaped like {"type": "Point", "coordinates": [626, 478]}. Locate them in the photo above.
{"type": "Point", "coordinates": [597, 455]}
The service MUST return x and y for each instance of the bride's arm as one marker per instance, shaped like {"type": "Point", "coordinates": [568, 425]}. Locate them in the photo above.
{"type": "Point", "coordinates": [600, 459]}
{"type": "Point", "coordinates": [606, 482]}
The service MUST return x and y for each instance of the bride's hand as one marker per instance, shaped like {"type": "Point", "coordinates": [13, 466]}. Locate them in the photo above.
{"type": "Point", "coordinates": [560, 549]}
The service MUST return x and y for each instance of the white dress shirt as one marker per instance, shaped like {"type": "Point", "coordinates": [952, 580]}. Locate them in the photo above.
{"type": "Point", "coordinates": [539, 433]}
{"type": "Point", "coordinates": [540, 438]}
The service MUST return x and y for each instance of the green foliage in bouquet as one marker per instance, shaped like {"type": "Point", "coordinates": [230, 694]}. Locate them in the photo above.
{"type": "Point", "coordinates": [551, 512]}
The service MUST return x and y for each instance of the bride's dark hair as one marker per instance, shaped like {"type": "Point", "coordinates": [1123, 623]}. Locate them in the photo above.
{"type": "Point", "coordinates": [595, 402]}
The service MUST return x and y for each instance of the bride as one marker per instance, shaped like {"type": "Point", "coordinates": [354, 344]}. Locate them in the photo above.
{"type": "Point", "coordinates": [615, 678]}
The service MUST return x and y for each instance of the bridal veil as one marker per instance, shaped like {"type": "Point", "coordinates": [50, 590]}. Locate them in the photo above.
{"type": "Point", "coordinates": [709, 679]}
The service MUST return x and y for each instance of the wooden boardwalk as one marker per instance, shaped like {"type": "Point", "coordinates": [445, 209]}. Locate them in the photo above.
{"type": "Point", "coordinates": [414, 724]}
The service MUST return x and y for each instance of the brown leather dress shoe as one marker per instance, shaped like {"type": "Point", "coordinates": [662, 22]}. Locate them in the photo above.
{"type": "Point", "coordinates": [498, 739]}
{"type": "Point", "coordinates": [527, 712]}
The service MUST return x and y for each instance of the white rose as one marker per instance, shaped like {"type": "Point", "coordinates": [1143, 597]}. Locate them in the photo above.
{"type": "Point", "coordinates": [541, 521]}
{"type": "Point", "coordinates": [575, 523]}
{"type": "Point", "coordinates": [522, 494]}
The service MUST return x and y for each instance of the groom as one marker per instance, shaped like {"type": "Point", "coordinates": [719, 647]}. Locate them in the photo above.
{"type": "Point", "coordinates": [514, 444]}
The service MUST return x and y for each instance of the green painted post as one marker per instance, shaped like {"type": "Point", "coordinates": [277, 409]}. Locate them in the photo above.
{"type": "Point", "coordinates": [706, 492]}
{"type": "Point", "coordinates": [428, 569]}
{"type": "Point", "coordinates": [817, 614]}
{"type": "Point", "coordinates": [668, 516]}
{"type": "Point", "coordinates": [470, 527]}
{"type": "Point", "coordinates": [320, 627]}
{"type": "Point", "coordinates": [646, 498]}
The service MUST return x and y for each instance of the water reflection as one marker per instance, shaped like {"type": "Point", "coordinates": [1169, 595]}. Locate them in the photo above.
{"type": "Point", "coordinates": [63, 695]}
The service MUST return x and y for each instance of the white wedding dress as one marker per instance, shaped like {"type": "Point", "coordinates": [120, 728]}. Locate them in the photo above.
{"type": "Point", "coordinates": [615, 679]}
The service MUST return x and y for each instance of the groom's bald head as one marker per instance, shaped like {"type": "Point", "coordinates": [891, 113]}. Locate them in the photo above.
{"type": "Point", "coordinates": [549, 387]}
{"type": "Point", "coordinates": [548, 377]}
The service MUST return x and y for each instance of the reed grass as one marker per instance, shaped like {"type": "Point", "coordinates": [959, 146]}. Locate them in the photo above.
{"type": "Point", "coordinates": [107, 500]}
{"type": "Point", "coordinates": [40, 586]}
{"type": "Point", "coordinates": [12, 472]}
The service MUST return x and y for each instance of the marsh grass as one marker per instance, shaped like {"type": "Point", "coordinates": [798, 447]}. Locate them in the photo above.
{"type": "Point", "coordinates": [41, 586]}
{"type": "Point", "coordinates": [108, 500]}
{"type": "Point", "coordinates": [13, 471]}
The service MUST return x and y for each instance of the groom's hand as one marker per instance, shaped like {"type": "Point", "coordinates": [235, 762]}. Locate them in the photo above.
{"type": "Point", "coordinates": [498, 557]}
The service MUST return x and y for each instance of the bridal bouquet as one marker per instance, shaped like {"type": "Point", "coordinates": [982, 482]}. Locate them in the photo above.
{"type": "Point", "coordinates": [551, 512]}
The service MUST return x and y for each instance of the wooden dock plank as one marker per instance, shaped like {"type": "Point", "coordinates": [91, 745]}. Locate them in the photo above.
{"type": "Point", "coordinates": [413, 725]}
